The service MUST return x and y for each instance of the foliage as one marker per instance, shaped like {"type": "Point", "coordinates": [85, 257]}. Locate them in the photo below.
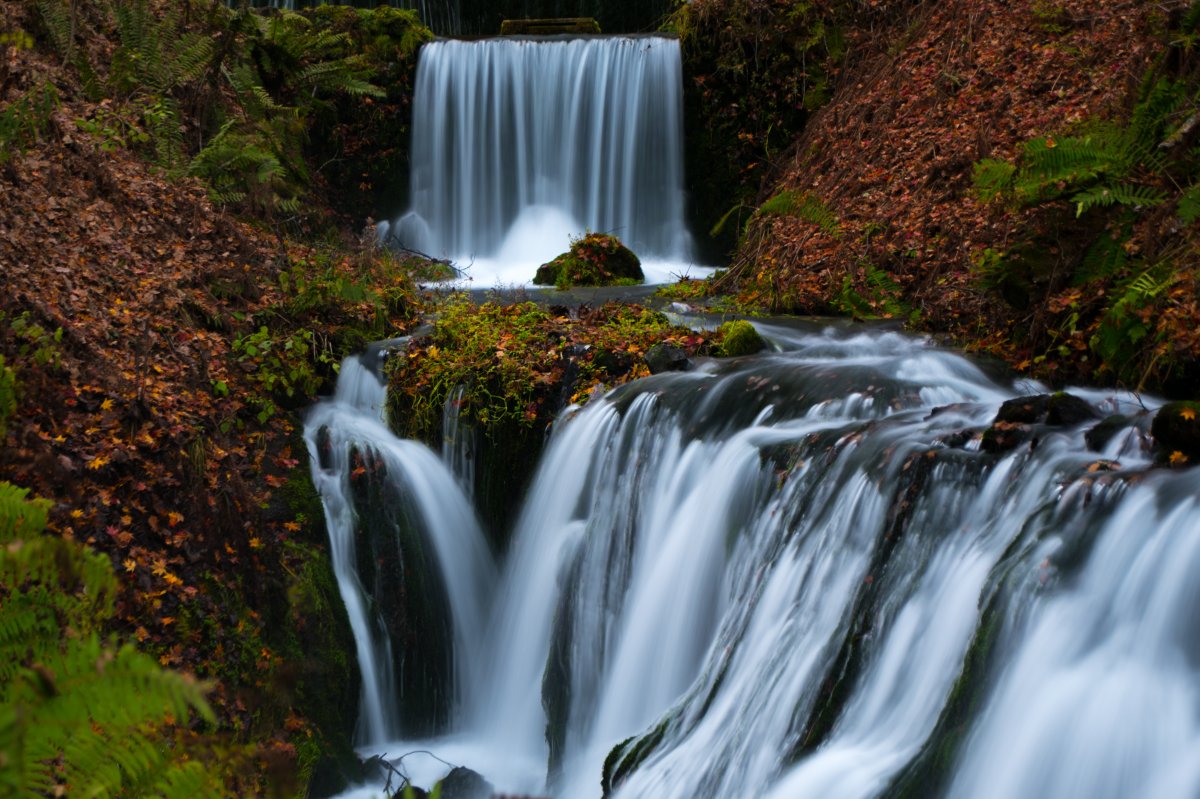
{"type": "Point", "coordinates": [871, 293]}
{"type": "Point", "coordinates": [25, 120]}
{"type": "Point", "coordinates": [756, 69]}
{"type": "Point", "coordinates": [518, 364]}
{"type": "Point", "coordinates": [329, 308]}
{"type": "Point", "coordinates": [77, 712]}
{"type": "Point", "coordinates": [595, 259]}
{"type": "Point", "coordinates": [8, 395]}
{"type": "Point", "coordinates": [1111, 177]}
{"type": "Point", "coordinates": [34, 342]}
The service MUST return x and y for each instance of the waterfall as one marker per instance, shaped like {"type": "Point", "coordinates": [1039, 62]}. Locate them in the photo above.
{"type": "Point", "coordinates": [799, 575]}
{"type": "Point", "coordinates": [520, 144]}
{"type": "Point", "coordinates": [339, 431]}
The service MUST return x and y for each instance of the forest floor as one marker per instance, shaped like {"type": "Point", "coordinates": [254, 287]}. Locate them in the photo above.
{"type": "Point", "coordinates": [884, 218]}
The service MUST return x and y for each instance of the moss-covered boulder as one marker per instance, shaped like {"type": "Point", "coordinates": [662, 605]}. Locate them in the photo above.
{"type": "Point", "coordinates": [1176, 431]}
{"type": "Point", "coordinates": [597, 259]}
{"type": "Point", "coordinates": [738, 337]}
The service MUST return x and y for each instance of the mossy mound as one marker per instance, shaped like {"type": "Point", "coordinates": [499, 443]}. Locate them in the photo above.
{"type": "Point", "coordinates": [597, 259]}
{"type": "Point", "coordinates": [738, 337]}
{"type": "Point", "coordinates": [1176, 431]}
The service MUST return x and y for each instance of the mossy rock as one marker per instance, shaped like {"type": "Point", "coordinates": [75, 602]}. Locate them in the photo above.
{"type": "Point", "coordinates": [1176, 431]}
{"type": "Point", "coordinates": [739, 337]}
{"type": "Point", "coordinates": [597, 259]}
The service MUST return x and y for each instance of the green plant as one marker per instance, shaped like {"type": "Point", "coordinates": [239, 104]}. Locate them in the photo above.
{"type": "Point", "coordinates": [285, 366]}
{"type": "Point", "coordinates": [594, 259]}
{"type": "Point", "coordinates": [871, 293]}
{"type": "Point", "coordinates": [26, 120]}
{"type": "Point", "coordinates": [803, 205]}
{"type": "Point", "coordinates": [8, 395]}
{"type": "Point", "coordinates": [35, 342]}
{"type": "Point", "coordinates": [1128, 320]}
{"type": "Point", "coordinates": [78, 713]}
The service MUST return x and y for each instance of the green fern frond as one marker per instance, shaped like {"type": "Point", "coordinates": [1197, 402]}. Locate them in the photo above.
{"type": "Point", "coordinates": [76, 712]}
{"type": "Point", "coordinates": [1116, 194]}
{"type": "Point", "coordinates": [336, 76]}
{"type": "Point", "coordinates": [993, 178]}
{"type": "Point", "coordinates": [1188, 210]}
{"type": "Point", "coordinates": [56, 17]}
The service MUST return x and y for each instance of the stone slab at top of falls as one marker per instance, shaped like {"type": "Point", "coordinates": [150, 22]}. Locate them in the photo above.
{"type": "Point", "coordinates": [521, 143]}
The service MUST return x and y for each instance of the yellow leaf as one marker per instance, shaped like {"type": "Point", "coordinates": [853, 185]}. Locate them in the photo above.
{"type": "Point", "coordinates": [256, 543]}
{"type": "Point", "coordinates": [1178, 458]}
{"type": "Point", "coordinates": [130, 564]}
{"type": "Point", "coordinates": [174, 518]}
{"type": "Point", "coordinates": [1187, 413]}
{"type": "Point", "coordinates": [97, 462]}
{"type": "Point", "coordinates": [106, 405]}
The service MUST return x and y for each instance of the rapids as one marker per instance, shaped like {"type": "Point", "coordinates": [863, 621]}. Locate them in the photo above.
{"type": "Point", "coordinates": [798, 575]}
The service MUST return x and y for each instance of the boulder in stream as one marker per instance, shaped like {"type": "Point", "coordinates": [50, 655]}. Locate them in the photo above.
{"type": "Point", "coordinates": [1017, 419]}
{"type": "Point", "coordinates": [597, 259]}
{"type": "Point", "coordinates": [1176, 431]}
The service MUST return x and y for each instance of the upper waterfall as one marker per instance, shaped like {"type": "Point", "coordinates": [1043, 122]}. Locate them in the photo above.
{"type": "Point", "coordinates": [520, 144]}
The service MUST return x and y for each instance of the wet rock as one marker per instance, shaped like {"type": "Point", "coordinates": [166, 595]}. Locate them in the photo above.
{"type": "Point", "coordinates": [1176, 431]}
{"type": "Point", "coordinates": [1017, 420]}
{"type": "Point", "coordinates": [1097, 437]}
{"type": "Point", "coordinates": [739, 338]}
{"type": "Point", "coordinates": [1066, 410]}
{"type": "Point", "coordinates": [463, 783]}
{"type": "Point", "coordinates": [663, 357]}
{"type": "Point", "coordinates": [597, 259]}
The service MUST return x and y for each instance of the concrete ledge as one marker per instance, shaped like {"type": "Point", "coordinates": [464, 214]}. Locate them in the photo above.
{"type": "Point", "coordinates": [547, 27]}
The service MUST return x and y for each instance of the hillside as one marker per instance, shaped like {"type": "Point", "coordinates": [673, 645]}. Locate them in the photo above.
{"type": "Point", "coordinates": [1073, 262]}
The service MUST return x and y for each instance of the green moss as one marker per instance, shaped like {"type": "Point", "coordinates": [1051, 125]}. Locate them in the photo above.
{"type": "Point", "coordinates": [739, 337]}
{"type": "Point", "coordinates": [596, 259]}
{"type": "Point", "coordinates": [509, 370]}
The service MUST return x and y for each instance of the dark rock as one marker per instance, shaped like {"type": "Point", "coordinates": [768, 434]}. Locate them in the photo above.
{"type": "Point", "coordinates": [324, 449]}
{"type": "Point", "coordinates": [1066, 410]}
{"type": "Point", "coordinates": [462, 783]}
{"type": "Point", "coordinates": [1176, 431]}
{"type": "Point", "coordinates": [664, 357]}
{"type": "Point", "coordinates": [1016, 420]}
{"type": "Point", "coordinates": [1023, 410]}
{"type": "Point", "coordinates": [1097, 437]}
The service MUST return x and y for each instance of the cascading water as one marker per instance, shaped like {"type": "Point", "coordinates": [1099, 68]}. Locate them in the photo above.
{"type": "Point", "coordinates": [520, 144]}
{"type": "Point", "coordinates": [344, 433]}
{"type": "Point", "coordinates": [799, 575]}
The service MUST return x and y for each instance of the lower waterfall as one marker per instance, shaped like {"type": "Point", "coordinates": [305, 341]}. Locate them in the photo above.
{"type": "Point", "coordinates": [798, 574]}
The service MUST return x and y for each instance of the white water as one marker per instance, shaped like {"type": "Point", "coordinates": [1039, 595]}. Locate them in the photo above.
{"type": "Point", "coordinates": [698, 550]}
{"type": "Point", "coordinates": [353, 418]}
{"type": "Point", "coordinates": [521, 144]}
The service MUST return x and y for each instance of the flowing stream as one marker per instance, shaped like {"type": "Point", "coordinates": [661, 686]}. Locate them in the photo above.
{"type": "Point", "coordinates": [520, 144]}
{"type": "Point", "coordinates": [798, 575]}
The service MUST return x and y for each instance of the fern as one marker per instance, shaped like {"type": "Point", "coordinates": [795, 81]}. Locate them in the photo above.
{"type": "Point", "coordinates": [76, 712]}
{"type": "Point", "coordinates": [803, 205]}
{"type": "Point", "coordinates": [993, 178]}
{"type": "Point", "coordinates": [1118, 194]}
{"type": "Point", "coordinates": [57, 18]}
{"type": "Point", "coordinates": [8, 395]}
{"type": "Point", "coordinates": [1188, 209]}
